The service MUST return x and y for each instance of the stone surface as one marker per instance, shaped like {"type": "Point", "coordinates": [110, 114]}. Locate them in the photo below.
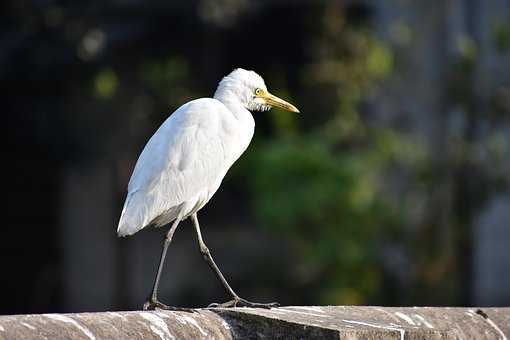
{"type": "Point", "coordinates": [330, 322]}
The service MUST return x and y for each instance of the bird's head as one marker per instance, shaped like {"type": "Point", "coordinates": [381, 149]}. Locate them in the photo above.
{"type": "Point", "coordinates": [248, 88]}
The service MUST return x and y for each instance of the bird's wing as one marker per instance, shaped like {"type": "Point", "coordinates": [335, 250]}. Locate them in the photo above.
{"type": "Point", "coordinates": [186, 155]}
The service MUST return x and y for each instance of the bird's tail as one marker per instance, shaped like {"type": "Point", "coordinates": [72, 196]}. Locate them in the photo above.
{"type": "Point", "coordinates": [129, 222]}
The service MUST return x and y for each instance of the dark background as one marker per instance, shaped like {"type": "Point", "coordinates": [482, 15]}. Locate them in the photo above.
{"type": "Point", "coordinates": [390, 188]}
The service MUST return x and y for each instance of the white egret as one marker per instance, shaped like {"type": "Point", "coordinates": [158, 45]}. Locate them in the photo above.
{"type": "Point", "coordinates": [184, 162]}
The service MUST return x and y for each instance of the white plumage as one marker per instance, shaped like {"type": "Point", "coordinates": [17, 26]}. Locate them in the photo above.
{"type": "Point", "coordinates": [184, 162]}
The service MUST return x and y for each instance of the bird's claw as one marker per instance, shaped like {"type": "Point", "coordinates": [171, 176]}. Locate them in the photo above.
{"type": "Point", "coordinates": [153, 304]}
{"type": "Point", "coordinates": [240, 302]}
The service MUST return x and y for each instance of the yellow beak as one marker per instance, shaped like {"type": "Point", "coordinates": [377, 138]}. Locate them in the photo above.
{"type": "Point", "coordinates": [275, 101]}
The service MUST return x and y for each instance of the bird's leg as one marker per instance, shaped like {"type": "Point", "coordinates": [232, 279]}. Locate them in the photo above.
{"type": "Point", "coordinates": [153, 302]}
{"type": "Point", "coordinates": [236, 300]}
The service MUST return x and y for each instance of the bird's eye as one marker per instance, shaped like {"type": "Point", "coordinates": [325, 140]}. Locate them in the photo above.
{"type": "Point", "coordinates": [258, 91]}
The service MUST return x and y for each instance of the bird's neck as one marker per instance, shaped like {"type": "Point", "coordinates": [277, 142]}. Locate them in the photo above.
{"type": "Point", "coordinates": [243, 118]}
{"type": "Point", "coordinates": [234, 105]}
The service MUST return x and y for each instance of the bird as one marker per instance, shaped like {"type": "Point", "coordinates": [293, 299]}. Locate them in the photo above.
{"type": "Point", "coordinates": [184, 162]}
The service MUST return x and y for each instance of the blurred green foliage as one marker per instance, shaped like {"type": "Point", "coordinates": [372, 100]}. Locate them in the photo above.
{"type": "Point", "coordinates": [321, 187]}
{"type": "Point", "coordinates": [105, 83]}
{"type": "Point", "coordinates": [501, 34]}
{"type": "Point", "coordinates": [328, 203]}
{"type": "Point", "coordinates": [168, 81]}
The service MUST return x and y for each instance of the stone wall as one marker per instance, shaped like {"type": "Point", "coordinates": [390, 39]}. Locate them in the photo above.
{"type": "Point", "coordinates": [330, 322]}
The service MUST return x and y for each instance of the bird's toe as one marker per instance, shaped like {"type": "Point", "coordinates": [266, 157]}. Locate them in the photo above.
{"type": "Point", "coordinates": [246, 303]}
{"type": "Point", "coordinates": [240, 302]}
{"type": "Point", "coordinates": [155, 304]}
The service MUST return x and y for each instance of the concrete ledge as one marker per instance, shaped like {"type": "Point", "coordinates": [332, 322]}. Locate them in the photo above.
{"type": "Point", "coordinates": [331, 322]}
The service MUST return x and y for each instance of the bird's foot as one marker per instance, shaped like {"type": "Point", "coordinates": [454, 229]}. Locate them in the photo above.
{"type": "Point", "coordinates": [153, 304]}
{"type": "Point", "coordinates": [240, 302]}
